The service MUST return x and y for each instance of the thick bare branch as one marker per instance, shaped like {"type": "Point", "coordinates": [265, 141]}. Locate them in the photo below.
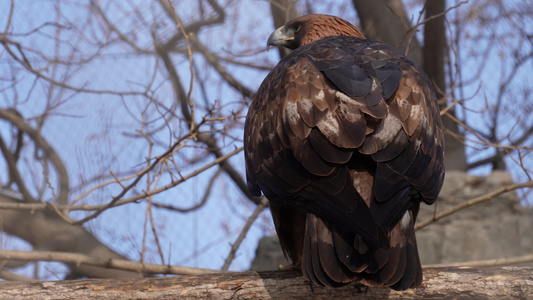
{"type": "Point", "coordinates": [6, 275]}
{"type": "Point", "coordinates": [108, 263]}
{"type": "Point", "coordinates": [439, 283]}
{"type": "Point", "coordinates": [44, 230]}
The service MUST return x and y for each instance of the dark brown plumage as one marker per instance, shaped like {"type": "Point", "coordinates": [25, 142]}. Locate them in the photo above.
{"type": "Point", "coordinates": [344, 138]}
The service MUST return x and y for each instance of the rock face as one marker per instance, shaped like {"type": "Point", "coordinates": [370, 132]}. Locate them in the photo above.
{"type": "Point", "coordinates": [494, 229]}
{"type": "Point", "coordinates": [268, 255]}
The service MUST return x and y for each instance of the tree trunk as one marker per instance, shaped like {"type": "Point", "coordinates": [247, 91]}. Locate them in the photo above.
{"type": "Point", "coordinates": [386, 21]}
{"type": "Point", "coordinates": [441, 283]}
{"type": "Point", "coordinates": [282, 12]}
{"type": "Point", "coordinates": [435, 53]}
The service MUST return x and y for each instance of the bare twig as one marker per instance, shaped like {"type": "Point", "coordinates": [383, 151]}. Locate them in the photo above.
{"type": "Point", "coordinates": [50, 153]}
{"type": "Point", "coordinates": [132, 185]}
{"type": "Point", "coordinates": [474, 201]}
{"type": "Point", "coordinates": [208, 191]}
{"type": "Point", "coordinates": [482, 140]}
{"type": "Point", "coordinates": [40, 74]}
{"type": "Point", "coordinates": [195, 26]}
{"type": "Point", "coordinates": [213, 59]}
{"type": "Point", "coordinates": [262, 204]}
{"type": "Point", "coordinates": [102, 207]}
{"type": "Point", "coordinates": [420, 23]}
{"type": "Point", "coordinates": [95, 5]}
{"type": "Point", "coordinates": [179, 24]}
{"type": "Point", "coordinates": [206, 138]}
{"type": "Point", "coordinates": [487, 263]}
{"type": "Point", "coordinates": [177, 145]}
{"type": "Point", "coordinates": [9, 19]}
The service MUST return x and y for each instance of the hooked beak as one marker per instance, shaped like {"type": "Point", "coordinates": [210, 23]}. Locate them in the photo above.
{"type": "Point", "coordinates": [279, 38]}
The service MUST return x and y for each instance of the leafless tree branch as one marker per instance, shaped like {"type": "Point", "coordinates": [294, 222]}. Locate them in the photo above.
{"type": "Point", "coordinates": [244, 231]}
{"type": "Point", "coordinates": [111, 263]}
{"type": "Point", "coordinates": [474, 201]}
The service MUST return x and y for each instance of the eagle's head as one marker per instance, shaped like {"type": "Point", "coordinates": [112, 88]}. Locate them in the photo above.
{"type": "Point", "coordinates": [310, 28]}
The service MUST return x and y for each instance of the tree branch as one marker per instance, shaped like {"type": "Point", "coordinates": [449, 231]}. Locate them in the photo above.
{"type": "Point", "coordinates": [474, 201]}
{"type": "Point", "coordinates": [5, 274]}
{"type": "Point", "coordinates": [441, 283]}
{"type": "Point", "coordinates": [244, 231]}
{"type": "Point", "coordinates": [208, 139]}
{"type": "Point", "coordinates": [492, 159]}
{"type": "Point", "coordinates": [110, 263]}
{"type": "Point", "coordinates": [195, 26]}
{"type": "Point", "coordinates": [44, 230]}
{"type": "Point", "coordinates": [505, 261]}
{"type": "Point", "coordinates": [47, 149]}
{"type": "Point", "coordinates": [14, 174]}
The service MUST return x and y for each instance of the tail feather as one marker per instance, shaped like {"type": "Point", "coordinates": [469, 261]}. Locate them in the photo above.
{"type": "Point", "coordinates": [307, 256]}
{"type": "Point", "coordinates": [321, 255]}
{"type": "Point", "coordinates": [347, 254]}
{"type": "Point", "coordinates": [331, 257]}
{"type": "Point", "coordinates": [326, 248]}
{"type": "Point", "coordinates": [413, 272]}
{"type": "Point", "coordinates": [391, 272]}
{"type": "Point", "coordinates": [377, 259]}
{"type": "Point", "coordinates": [409, 274]}
{"type": "Point", "coordinates": [395, 262]}
{"type": "Point", "coordinates": [400, 266]}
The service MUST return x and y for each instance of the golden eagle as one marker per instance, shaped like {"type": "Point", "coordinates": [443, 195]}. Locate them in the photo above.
{"type": "Point", "coordinates": [344, 138]}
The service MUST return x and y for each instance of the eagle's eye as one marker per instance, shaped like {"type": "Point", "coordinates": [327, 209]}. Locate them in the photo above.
{"type": "Point", "coordinates": [296, 27]}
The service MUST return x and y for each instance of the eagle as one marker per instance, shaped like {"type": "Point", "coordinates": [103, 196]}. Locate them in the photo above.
{"type": "Point", "coordinates": [344, 138]}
